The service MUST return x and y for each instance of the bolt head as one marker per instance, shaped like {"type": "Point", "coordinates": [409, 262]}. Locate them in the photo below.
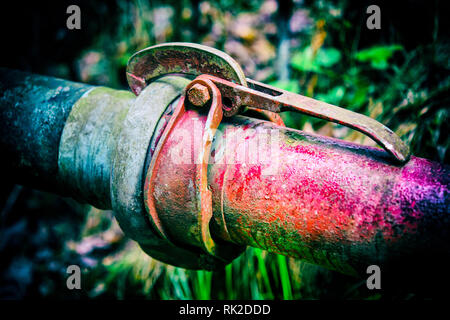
{"type": "Point", "coordinates": [198, 95]}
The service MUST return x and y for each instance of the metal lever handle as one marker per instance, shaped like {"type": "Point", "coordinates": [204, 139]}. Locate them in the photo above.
{"type": "Point", "coordinates": [262, 96]}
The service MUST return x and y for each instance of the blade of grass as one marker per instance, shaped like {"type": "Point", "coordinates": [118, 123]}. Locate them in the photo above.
{"type": "Point", "coordinates": [284, 277]}
{"type": "Point", "coordinates": [203, 281]}
{"type": "Point", "coordinates": [229, 281]}
{"type": "Point", "coordinates": [263, 270]}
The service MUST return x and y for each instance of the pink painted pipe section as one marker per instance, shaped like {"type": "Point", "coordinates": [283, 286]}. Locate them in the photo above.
{"type": "Point", "coordinates": [333, 203]}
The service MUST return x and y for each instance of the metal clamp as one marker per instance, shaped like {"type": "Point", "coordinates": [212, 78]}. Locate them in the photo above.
{"type": "Point", "coordinates": [194, 60]}
{"type": "Point", "coordinates": [203, 194]}
{"type": "Point", "coordinates": [220, 81]}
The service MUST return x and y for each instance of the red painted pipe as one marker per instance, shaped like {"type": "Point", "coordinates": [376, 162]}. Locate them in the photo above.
{"type": "Point", "coordinates": [331, 202]}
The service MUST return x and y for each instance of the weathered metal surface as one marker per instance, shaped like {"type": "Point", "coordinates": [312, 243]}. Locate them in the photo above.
{"type": "Point", "coordinates": [189, 59]}
{"type": "Point", "coordinates": [203, 194]}
{"type": "Point", "coordinates": [88, 144]}
{"type": "Point", "coordinates": [128, 172]}
{"type": "Point", "coordinates": [196, 60]}
{"type": "Point", "coordinates": [149, 184]}
{"type": "Point", "coordinates": [271, 116]}
{"type": "Point", "coordinates": [33, 111]}
{"type": "Point", "coordinates": [333, 203]}
{"type": "Point", "coordinates": [195, 232]}
{"type": "Point", "coordinates": [198, 95]}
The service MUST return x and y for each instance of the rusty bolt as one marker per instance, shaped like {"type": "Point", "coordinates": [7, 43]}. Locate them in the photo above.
{"type": "Point", "coordinates": [198, 95]}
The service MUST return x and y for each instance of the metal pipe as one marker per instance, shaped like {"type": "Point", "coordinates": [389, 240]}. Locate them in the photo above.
{"type": "Point", "coordinates": [89, 143]}
{"type": "Point", "coordinates": [333, 203]}
{"type": "Point", "coordinates": [33, 111]}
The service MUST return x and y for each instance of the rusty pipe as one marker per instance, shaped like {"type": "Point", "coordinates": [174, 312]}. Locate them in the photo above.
{"type": "Point", "coordinates": [89, 143]}
{"type": "Point", "coordinates": [330, 202]}
{"type": "Point", "coordinates": [333, 203]}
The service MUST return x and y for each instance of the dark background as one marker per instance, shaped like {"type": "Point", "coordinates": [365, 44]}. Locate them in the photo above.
{"type": "Point", "coordinates": [398, 75]}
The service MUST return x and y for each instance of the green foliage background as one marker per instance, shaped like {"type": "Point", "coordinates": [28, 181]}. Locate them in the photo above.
{"type": "Point", "coordinates": [399, 82]}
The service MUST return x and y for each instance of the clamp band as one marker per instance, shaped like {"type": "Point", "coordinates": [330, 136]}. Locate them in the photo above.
{"type": "Point", "coordinates": [203, 238]}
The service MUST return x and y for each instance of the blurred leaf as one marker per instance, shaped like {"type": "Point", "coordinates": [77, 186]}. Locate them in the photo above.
{"type": "Point", "coordinates": [305, 60]}
{"type": "Point", "coordinates": [123, 59]}
{"type": "Point", "coordinates": [359, 96]}
{"type": "Point", "coordinates": [377, 55]}
{"type": "Point", "coordinates": [327, 57]}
